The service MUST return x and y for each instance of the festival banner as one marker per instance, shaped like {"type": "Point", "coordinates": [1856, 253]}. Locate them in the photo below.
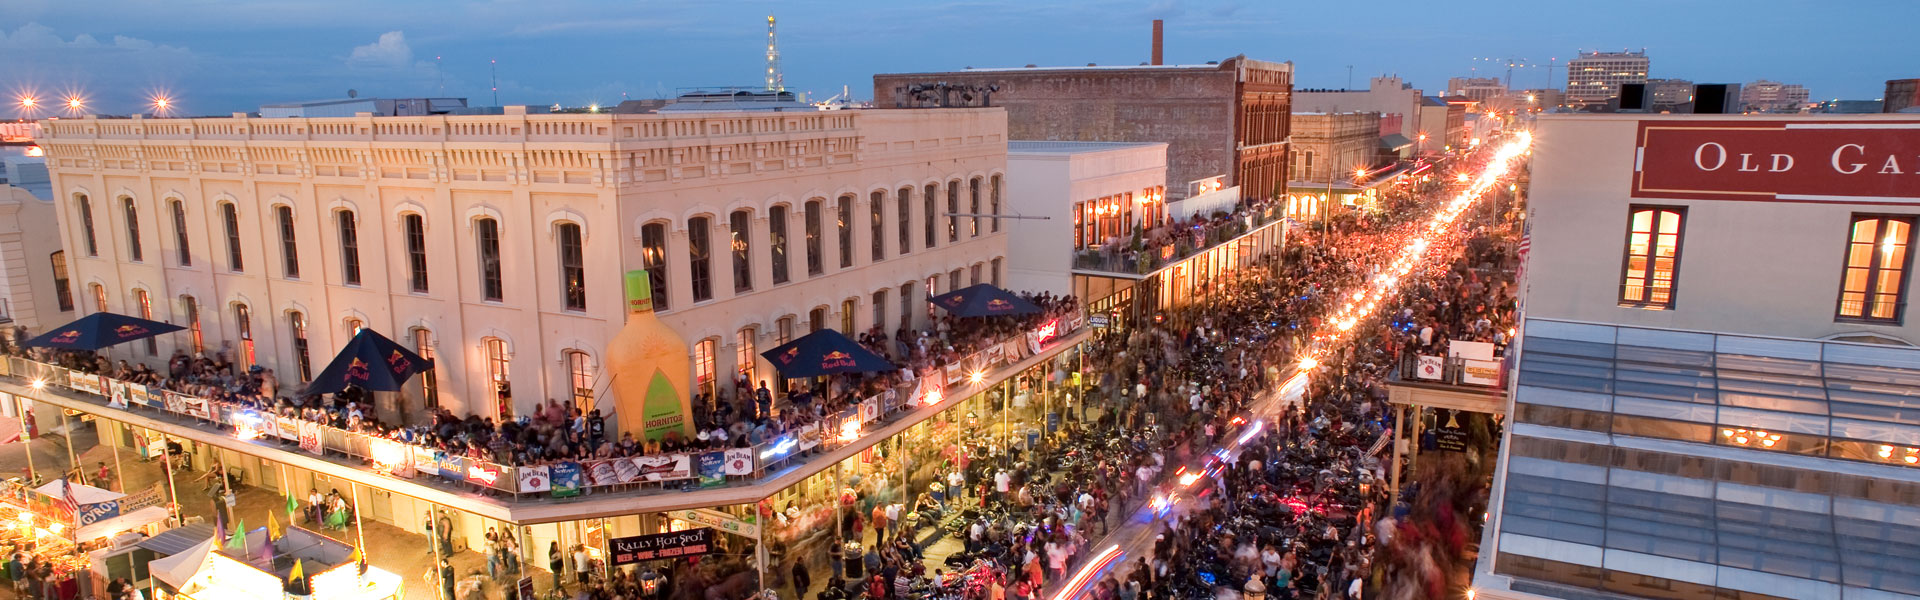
{"type": "Point", "coordinates": [140, 395]}
{"type": "Point", "coordinates": [675, 544]}
{"type": "Point", "coordinates": [1015, 350]}
{"type": "Point", "coordinates": [269, 427]}
{"type": "Point", "coordinates": [665, 467]}
{"type": "Point", "coordinates": [717, 520]}
{"type": "Point", "coordinates": [739, 461]}
{"type": "Point", "coordinates": [809, 436]}
{"type": "Point", "coordinates": [197, 407]}
{"type": "Point", "coordinates": [85, 382]}
{"type": "Point", "coordinates": [449, 466]}
{"type": "Point", "coordinates": [870, 410]}
{"type": "Point", "coordinates": [310, 437]}
{"type": "Point", "coordinates": [1430, 367]}
{"type": "Point", "coordinates": [602, 472]}
{"type": "Point", "coordinates": [626, 471]}
{"type": "Point", "coordinates": [423, 458]}
{"type": "Point", "coordinates": [996, 354]}
{"type": "Point", "coordinates": [954, 371]}
{"type": "Point", "coordinates": [117, 394]}
{"type": "Point", "coordinates": [567, 479]}
{"type": "Point", "coordinates": [98, 511]}
{"type": "Point", "coordinates": [534, 479]}
{"type": "Point", "coordinates": [1480, 372]}
{"type": "Point", "coordinates": [713, 469]}
{"type": "Point", "coordinates": [175, 402]}
{"type": "Point", "coordinates": [289, 428]}
{"type": "Point", "coordinates": [153, 495]}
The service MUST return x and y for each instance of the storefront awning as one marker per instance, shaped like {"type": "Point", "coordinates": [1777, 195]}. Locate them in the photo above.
{"type": "Point", "coordinates": [108, 527]}
{"type": "Point", "coordinates": [1395, 141]}
{"type": "Point", "coordinates": [178, 539]}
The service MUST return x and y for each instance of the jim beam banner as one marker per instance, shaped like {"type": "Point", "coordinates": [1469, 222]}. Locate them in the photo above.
{"type": "Point", "coordinates": [1430, 367]}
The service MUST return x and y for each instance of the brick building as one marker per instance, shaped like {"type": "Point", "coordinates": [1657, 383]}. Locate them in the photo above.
{"type": "Point", "coordinates": [1901, 94]}
{"type": "Point", "coordinates": [1222, 118]}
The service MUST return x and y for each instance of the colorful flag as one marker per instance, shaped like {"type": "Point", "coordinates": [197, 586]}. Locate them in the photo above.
{"type": "Point", "coordinates": [239, 537]}
{"type": "Point", "coordinates": [293, 507]}
{"type": "Point", "coordinates": [297, 579]}
{"type": "Point", "coordinates": [274, 531]}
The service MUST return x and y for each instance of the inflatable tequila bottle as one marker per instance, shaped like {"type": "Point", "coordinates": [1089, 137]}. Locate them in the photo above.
{"type": "Point", "coordinates": [650, 369]}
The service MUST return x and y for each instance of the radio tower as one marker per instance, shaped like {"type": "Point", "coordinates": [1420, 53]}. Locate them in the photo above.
{"type": "Point", "coordinates": [775, 81]}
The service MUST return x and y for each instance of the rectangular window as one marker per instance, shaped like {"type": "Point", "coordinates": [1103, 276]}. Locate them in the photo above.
{"type": "Point", "coordinates": [1653, 256]}
{"type": "Point", "coordinates": [486, 234]}
{"type": "Point", "coordinates": [877, 226]}
{"type": "Point", "coordinates": [99, 297]}
{"type": "Point", "coordinates": [1875, 278]}
{"type": "Point", "coordinates": [191, 308]}
{"type": "Point", "coordinates": [243, 322]}
{"type": "Point", "coordinates": [700, 258]}
{"type": "Point", "coordinates": [904, 202]}
{"type": "Point", "coordinates": [845, 228]}
{"type": "Point", "coordinates": [349, 248]}
{"type": "Point", "coordinates": [573, 266]}
{"type": "Point", "coordinates": [86, 225]}
{"type": "Point", "coordinates": [777, 238]}
{"type": "Point", "coordinates": [930, 213]}
{"type": "Point", "coordinates": [995, 204]}
{"type": "Point", "coordinates": [134, 252]}
{"type": "Point", "coordinates": [653, 256]}
{"type": "Point", "coordinates": [995, 274]}
{"type": "Point", "coordinates": [703, 367]}
{"type": "Point", "coordinates": [1079, 236]}
{"type": "Point", "coordinates": [907, 300]}
{"type": "Point", "coordinates": [973, 206]}
{"type": "Point", "coordinates": [814, 266]}
{"type": "Point", "coordinates": [744, 354]}
{"type": "Point", "coordinates": [416, 252]}
{"type": "Point", "coordinates": [302, 363]}
{"type": "Point", "coordinates": [289, 251]}
{"type": "Point", "coordinates": [953, 209]}
{"type": "Point", "coordinates": [429, 381]}
{"type": "Point", "coordinates": [144, 302]}
{"type": "Point", "coordinates": [740, 225]}
{"type": "Point", "coordinates": [974, 275]}
{"type": "Point", "coordinates": [880, 308]}
{"type": "Point", "coordinates": [846, 315]}
{"type": "Point", "coordinates": [953, 280]}
{"type": "Point", "coordinates": [61, 292]}
{"type": "Point", "coordinates": [580, 374]}
{"type": "Point", "coordinates": [180, 233]}
{"type": "Point", "coordinates": [498, 374]}
{"type": "Point", "coordinates": [231, 217]}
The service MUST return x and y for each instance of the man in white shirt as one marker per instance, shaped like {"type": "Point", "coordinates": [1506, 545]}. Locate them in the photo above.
{"type": "Point", "coordinates": [1001, 479]}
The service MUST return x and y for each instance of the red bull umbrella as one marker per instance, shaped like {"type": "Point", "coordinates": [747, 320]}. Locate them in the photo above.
{"type": "Point", "coordinates": [825, 352]}
{"type": "Point", "coordinates": [100, 330]}
{"type": "Point", "coordinates": [370, 361]}
{"type": "Point", "coordinates": [983, 300]}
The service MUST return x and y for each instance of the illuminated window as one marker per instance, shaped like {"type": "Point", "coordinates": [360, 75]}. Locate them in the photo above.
{"type": "Point", "coordinates": [230, 216]}
{"type": "Point", "coordinates": [302, 364]}
{"type": "Point", "coordinates": [739, 227]}
{"type": "Point", "coordinates": [179, 210]}
{"type": "Point", "coordinates": [61, 291]}
{"type": "Point", "coordinates": [1876, 268]}
{"type": "Point", "coordinates": [134, 252]}
{"type": "Point", "coordinates": [486, 234]}
{"type": "Point", "coordinates": [846, 315]}
{"type": "Point", "coordinates": [354, 326]}
{"type": "Point", "coordinates": [744, 353]}
{"type": "Point", "coordinates": [700, 257]}
{"type": "Point", "coordinates": [349, 247]}
{"type": "Point", "coordinates": [580, 373]}
{"type": "Point", "coordinates": [99, 296]}
{"type": "Point", "coordinates": [777, 238]}
{"type": "Point", "coordinates": [501, 389]}
{"type": "Point", "coordinates": [144, 303]}
{"type": "Point", "coordinates": [703, 366]}
{"type": "Point", "coordinates": [429, 381]}
{"type": "Point", "coordinates": [243, 323]}
{"type": "Point", "coordinates": [1653, 256]}
{"type": "Point", "coordinates": [86, 224]}
{"type": "Point", "coordinates": [844, 213]}
{"type": "Point", "coordinates": [653, 256]}
{"type": "Point", "coordinates": [191, 308]}
{"type": "Point", "coordinates": [573, 266]}
{"type": "Point", "coordinates": [416, 231]}
{"type": "Point", "coordinates": [289, 251]}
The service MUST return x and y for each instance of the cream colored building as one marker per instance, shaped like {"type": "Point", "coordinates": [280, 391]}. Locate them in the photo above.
{"type": "Point", "coordinates": [497, 243]}
{"type": "Point", "coordinates": [1076, 196]}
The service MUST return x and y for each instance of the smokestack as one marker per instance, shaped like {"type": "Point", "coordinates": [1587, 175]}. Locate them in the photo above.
{"type": "Point", "coordinates": [1158, 26]}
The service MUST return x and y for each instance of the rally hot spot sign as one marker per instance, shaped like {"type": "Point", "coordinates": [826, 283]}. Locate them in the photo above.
{"type": "Point", "coordinates": [675, 544]}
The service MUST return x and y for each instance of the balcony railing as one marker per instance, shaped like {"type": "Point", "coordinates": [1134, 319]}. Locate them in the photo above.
{"type": "Point", "coordinates": [1191, 240]}
{"type": "Point", "coordinates": [705, 468]}
{"type": "Point", "coordinates": [1453, 370]}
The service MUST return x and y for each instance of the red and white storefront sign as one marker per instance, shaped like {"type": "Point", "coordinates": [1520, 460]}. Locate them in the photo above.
{"type": "Point", "coordinates": [1861, 161]}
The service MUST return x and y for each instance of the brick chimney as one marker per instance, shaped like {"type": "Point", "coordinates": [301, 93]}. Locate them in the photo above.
{"type": "Point", "coordinates": [1158, 27]}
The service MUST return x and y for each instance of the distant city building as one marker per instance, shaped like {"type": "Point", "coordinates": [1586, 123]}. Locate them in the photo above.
{"type": "Point", "coordinates": [1444, 123]}
{"type": "Point", "coordinates": [1476, 88]}
{"type": "Point", "coordinates": [737, 100]}
{"type": "Point", "coordinates": [1772, 96]}
{"type": "Point", "coordinates": [1397, 102]}
{"type": "Point", "coordinates": [1595, 77]}
{"type": "Point", "coordinates": [1225, 118]}
{"type": "Point", "coordinates": [1668, 94]}
{"type": "Point", "coordinates": [1848, 107]}
{"type": "Point", "coordinates": [1901, 95]}
{"type": "Point", "coordinates": [1331, 145]}
{"type": "Point", "coordinates": [379, 107]}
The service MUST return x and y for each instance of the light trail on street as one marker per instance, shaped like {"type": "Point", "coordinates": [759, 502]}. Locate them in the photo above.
{"type": "Point", "coordinates": [1360, 305]}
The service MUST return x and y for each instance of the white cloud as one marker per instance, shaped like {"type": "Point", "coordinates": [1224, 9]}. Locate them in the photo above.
{"type": "Point", "coordinates": [34, 36]}
{"type": "Point", "coordinates": [391, 51]}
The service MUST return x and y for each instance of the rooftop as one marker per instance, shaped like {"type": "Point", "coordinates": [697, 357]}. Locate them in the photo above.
{"type": "Point", "coordinates": [1070, 147]}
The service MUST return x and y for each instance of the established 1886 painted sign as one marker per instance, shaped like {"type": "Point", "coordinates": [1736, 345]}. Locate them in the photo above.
{"type": "Point", "coordinates": [1869, 161]}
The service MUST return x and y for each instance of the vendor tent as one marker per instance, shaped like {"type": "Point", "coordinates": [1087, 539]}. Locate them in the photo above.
{"type": "Point", "coordinates": [109, 526]}
{"type": "Point", "coordinates": [82, 493]}
{"type": "Point", "coordinates": [178, 569]}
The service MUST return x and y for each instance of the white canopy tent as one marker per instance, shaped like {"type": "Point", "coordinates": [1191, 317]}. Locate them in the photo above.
{"type": "Point", "coordinates": [133, 520]}
{"type": "Point", "coordinates": [82, 493]}
{"type": "Point", "coordinates": [179, 569]}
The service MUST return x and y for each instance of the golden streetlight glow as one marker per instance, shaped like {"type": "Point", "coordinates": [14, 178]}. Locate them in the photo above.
{"type": "Point", "coordinates": [28, 102]}
{"type": "Point", "coordinates": [74, 102]}
{"type": "Point", "coordinates": [38, 384]}
{"type": "Point", "coordinates": [1360, 172]}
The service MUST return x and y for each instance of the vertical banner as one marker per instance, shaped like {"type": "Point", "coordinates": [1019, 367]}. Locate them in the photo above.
{"type": "Point", "coordinates": [534, 479]}
{"type": "Point", "coordinates": [568, 478]}
{"type": "Point", "coordinates": [310, 437]}
{"type": "Point", "coordinates": [289, 428]}
{"type": "Point", "coordinates": [713, 469]}
{"type": "Point", "coordinates": [1430, 367]}
{"type": "Point", "coordinates": [739, 461]}
{"type": "Point", "coordinates": [117, 394]}
{"type": "Point", "coordinates": [603, 473]}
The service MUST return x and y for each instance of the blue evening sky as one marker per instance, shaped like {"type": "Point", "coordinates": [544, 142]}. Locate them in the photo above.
{"type": "Point", "coordinates": [221, 56]}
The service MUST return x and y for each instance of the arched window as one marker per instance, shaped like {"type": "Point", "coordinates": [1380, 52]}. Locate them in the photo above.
{"type": "Point", "coordinates": [353, 325]}
{"type": "Point", "coordinates": [134, 252]}
{"type": "Point", "coordinates": [703, 367]}
{"type": "Point", "coordinates": [191, 309]}
{"type": "Point", "coordinates": [143, 302]}
{"type": "Point", "coordinates": [500, 388]}
{"type": "Point", "coordinates": [816, 319]}
{"type": "Point", "coordinates": [996, 272]}
{"type": "Point", "coordinates": [973, 206]}
{"type": "Point", "coordinates": [573, 266]}
{"type": "Point", "coordinates": [953, 208]}
{"type": "Point", "coordinates": [903, 200]}
{"type": "Point", "coordinates": [814, 266]}
{"type": "Point", "coordinates": [994, 204]}
{"type": "Point", "coordinates": [61, 291]}
{"type": "Point", "coordinates": [745, 353]}
{"type": "Point", "coordinates": [930, 213]}
{"type": "Point", "coordinates": [302, 362]}
{"type": "Point", "coordinates": [580, 374]}
{"type": "Point", "coordinates": [181, 250]}
{"type": "Point", "coordinates": [975, 275]}
{"type": "Point", "coordinates": [877, 225]}
{"type": "Point", "coordinates": [349, 247]}
{"type": "Point", "coordinates": [653, 256]}
{"type": "Point", "coordinates": [847, 308]}
{"type": "Point", "coordinates": [86, 224]}
{"type": "Point", "coordinates": [230, 216]}
{"type": "Point", "coordinates": [243, 323]}
{"type": "Point", "coordinates": [99, 293]}
{"type": "Point", "coordinates": [844, 226]}
{"type": "Point", "coordinates": [430, 380]}
{"type": "Point", "coordinates": [486, 235]}
{"type": "Point", "coordinates": [416, 232]}
{"type": "Point", "coordinates": [777, 238]}
{"type": "Point", "coordinates": [289, 249]}
{"type": "Point", "coordinates": [740, 228]}
{"type": "Point", "coordinates": [700, 257]}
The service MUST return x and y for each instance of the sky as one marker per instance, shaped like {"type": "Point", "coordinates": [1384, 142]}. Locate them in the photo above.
{"type": "Point", "coordinates": [213, 57]}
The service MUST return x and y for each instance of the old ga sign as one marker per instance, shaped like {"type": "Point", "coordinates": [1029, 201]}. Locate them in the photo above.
{"type": "Point", "coordinates": [1866, 161]}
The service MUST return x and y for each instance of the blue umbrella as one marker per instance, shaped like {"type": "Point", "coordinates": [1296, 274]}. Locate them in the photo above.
{"type": "Point", "coordinates": [983, 300]}
{"type": "Point", "coordinates": [824, 352]}
{"type": "Point", "coordinates": [100, 330]}
{"type": "Point", "coordinates": [370, 361]}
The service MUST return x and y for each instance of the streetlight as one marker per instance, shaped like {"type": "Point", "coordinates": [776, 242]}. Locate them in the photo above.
{"type": "Point", "coordinates": [75, 104]}
{"type": "Point", "coordinates": [161, 104]}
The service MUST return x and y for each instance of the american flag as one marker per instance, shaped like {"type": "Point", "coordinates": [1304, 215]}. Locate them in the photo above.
{"type": "Point", "coordinates": [67, 501]}
{"type": "Point", "coordinates": [1526, 243]}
